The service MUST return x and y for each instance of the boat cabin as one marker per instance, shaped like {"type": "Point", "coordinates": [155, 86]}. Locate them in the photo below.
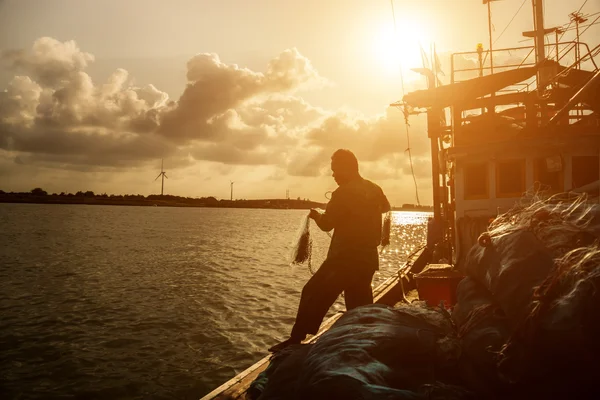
{"type": "Point", "coordinates": [532, 127]}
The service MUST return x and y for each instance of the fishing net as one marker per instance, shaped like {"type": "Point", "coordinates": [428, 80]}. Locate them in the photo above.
{"type": "Point", "coordinates": [518, 252]}
{"type": "Point", "coordinates": [541, 264]}
{"type": "Point", "coordinates": [482, 331]}
{"type": "Point", "coordinates": [386, 230]}
{"type": "Point", "coordinates": [302, 248]}
{"type": "Point", "coordinates": [559, 338]}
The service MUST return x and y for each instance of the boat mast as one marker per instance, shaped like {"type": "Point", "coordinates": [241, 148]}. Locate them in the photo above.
{"type": "Point", "coordinates": [489, 9]}
{"type": "Point", "coordinates": [540, 50]}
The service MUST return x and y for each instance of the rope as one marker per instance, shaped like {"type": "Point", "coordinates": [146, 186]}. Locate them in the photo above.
{"type": "Point", "coordinates": [564, 49]}
{"type": "Point", "coordinates": [412, 171]}
{"type": "Point", "coordinates": [590, 25]}
{"type": "Point", "coordinates": [405, 113]}
{"type": "Point", "coordinates": [505, 28]}
{"type": "Point", "coordinates": [510, 22]}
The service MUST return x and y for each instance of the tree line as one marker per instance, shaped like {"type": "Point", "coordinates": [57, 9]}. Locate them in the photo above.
{"type": "Point", "coordinates": [39, 192]}
{"type": "Point", "coordinates": [39, 195]}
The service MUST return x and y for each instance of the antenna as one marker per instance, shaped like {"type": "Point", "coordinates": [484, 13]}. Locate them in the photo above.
{"type": "Point", "coordinates": [578, 18]}
{"type": "Point", "coordinates": [231, 184]}
{"type": "Point", "coordinates": [162, 174]}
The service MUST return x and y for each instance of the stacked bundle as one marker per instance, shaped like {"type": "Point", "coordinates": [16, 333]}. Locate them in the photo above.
{"type": "Point", "coordinates": [538, 268]}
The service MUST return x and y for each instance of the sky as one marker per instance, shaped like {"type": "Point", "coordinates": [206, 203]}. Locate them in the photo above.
{"type": "Point", "coordinates": [93, 94]}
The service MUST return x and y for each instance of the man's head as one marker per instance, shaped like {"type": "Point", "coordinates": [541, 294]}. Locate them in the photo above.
{"type": "Point", "coordinates": [344, 166]}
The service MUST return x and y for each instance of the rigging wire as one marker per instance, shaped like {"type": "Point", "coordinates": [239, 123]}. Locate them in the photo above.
{"type": "Point", "coordinates": [505, 28]}
{"type": "Point", "coordinates": [405, 113]}
{"type": "Point", "coordinates": [591, 15]}
{"type": "Point", "coordinates": [510, 22]}
{"type": "Point", "coordinates": [565, 49]}
{"type": "Point", "coordinates": [590, 25]}
{"type": "Point", "coordinates": [566, 29]}
{"type": "Point", "coordinates": [584, 26]}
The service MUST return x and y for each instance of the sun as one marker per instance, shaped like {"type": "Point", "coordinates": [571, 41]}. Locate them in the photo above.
{"type": "Point", "coordinates": [399, 48]}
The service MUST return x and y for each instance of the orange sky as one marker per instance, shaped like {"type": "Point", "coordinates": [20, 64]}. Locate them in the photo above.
{"type": "Point", "coordinates": [273, 88]}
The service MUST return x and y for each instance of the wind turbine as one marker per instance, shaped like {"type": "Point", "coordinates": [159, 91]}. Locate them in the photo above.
{"type": "Point", "coordinates": [164, 175]}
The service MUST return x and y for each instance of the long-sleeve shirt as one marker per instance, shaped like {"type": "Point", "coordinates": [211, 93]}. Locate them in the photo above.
{"type": "Point", "coordinates": [354, 213]}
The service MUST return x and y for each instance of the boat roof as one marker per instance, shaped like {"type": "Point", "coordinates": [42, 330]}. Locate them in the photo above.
{"type": "Point", "coordinates": [508, 105]}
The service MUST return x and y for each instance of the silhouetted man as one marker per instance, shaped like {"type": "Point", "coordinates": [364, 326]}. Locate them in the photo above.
{"type": "Point", "coordinates": [354, 214]}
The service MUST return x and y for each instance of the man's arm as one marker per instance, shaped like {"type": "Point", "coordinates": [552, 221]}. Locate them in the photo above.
{"type": "Point", "coordinates": [385, 204]}
{"type": "Point", "coordinates": [329, 219]}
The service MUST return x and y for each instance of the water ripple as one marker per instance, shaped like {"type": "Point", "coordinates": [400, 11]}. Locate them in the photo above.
{"type": "Point", "coordinates": [162, 303]}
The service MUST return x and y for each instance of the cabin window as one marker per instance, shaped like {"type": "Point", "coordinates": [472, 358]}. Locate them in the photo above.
{"type": "Point", "coordinates": [476, 181]}
{"type": "Point", "coordinates": [584, 170]}
{"type": "Point", "coordinates": [548, 174]}
{"type": "Point", "coordinates": [510, 178]}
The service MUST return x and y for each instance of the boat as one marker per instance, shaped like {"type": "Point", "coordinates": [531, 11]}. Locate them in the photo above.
{"type": "Point", "coordinates": [512, 128]}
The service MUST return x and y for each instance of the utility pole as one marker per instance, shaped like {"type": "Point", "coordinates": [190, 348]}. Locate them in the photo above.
{"type": "Point", "coordinates": [231, 190]}
{"type": "Point", "coordinates": [577, 17]}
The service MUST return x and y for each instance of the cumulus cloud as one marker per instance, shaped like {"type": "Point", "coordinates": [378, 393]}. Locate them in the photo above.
{"type": "Point", "coordinates": [49, 62]}
{"type": "Point", "coordinates": [53, 114]}
{"type": "Point", "coordinates": [375, 139]}
{"type": "Point", "coordinates": [215, 87]}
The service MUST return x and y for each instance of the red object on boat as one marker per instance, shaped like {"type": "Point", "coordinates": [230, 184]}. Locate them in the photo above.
{"type": "Point", "coordinates": [437, 283]}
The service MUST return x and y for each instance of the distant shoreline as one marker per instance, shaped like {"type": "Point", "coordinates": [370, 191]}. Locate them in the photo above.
{"type": "Point", "coordinates": [265, 204]}
{"type": "Point", "coordinates": [174, 201]}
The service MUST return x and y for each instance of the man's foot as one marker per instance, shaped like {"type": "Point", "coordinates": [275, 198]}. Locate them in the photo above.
{"type": "Point", "coordinates": [286, 343]}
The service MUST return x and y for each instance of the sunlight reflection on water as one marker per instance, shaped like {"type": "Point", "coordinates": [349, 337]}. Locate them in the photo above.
{"type": "Point", "coordinates": [146, 302]}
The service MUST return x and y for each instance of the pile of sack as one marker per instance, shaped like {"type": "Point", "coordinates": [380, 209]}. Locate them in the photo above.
{"type": "Point", "coordinates": [371, 352]}
{"type": "Point", "coordinates": [527, 312]}
{"type": "Point", "coordinates": [524, 325]}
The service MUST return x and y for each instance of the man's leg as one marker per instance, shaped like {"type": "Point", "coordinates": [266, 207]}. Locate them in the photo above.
{"type": "Point", "coordinates": [319, 293]}
{"type": "Point", "coordinates": [358, 290]}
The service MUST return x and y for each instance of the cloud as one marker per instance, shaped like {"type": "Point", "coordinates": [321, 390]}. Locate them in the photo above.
{"type": "Point", "coordinates": [52, 114]}
{"type": "Point", "coordinates": [309, 162]}
{"type": "Point", "coordinates": [215, 87]}
{"type": "Point", "coordinates": [376, 139]}
{"type": "Point", "coordinates": [50, 61]}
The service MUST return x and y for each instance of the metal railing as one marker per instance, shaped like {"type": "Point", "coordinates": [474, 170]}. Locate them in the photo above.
{"type": "Point", "coordinates": [484, 67]}
{"type": "Point", "coordinates": [484, 58]}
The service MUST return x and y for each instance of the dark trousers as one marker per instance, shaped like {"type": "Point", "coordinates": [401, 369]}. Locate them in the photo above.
{"type": "Point", "coordinates": [324, 287]}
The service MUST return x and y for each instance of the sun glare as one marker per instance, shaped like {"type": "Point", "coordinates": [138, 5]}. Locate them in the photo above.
{"type": "Point", "coordinates": [393, 50]}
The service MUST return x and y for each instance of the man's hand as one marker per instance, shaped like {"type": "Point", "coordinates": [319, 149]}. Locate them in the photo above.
{"type": "Point", "coordinates": [314, 214]}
